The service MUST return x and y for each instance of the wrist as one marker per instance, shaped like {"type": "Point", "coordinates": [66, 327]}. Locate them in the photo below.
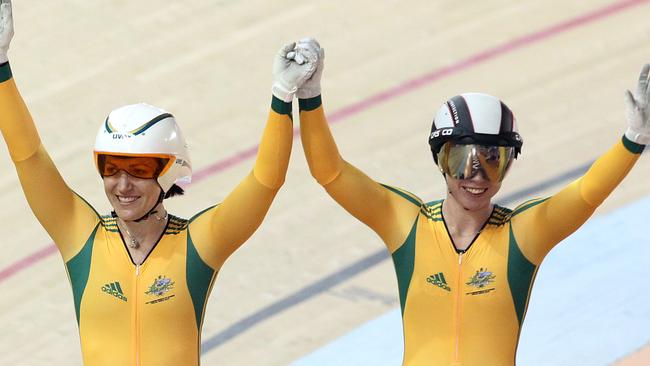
{"type": "Point", "coordinates": [636, 137]}
{"type": "Point", "coordinates": [279, 106]}
{"type": "Point", "coordinates": [307, 92]}
{"type": "Point", "coordinates": [631, 145]}
{"type": "Point", "coordinates": [5, 72]}
{"type": "Point", "coordinates": [309, 104]}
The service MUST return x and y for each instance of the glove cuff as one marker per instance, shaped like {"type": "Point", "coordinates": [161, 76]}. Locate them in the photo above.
{"type": "Point", "coordinates": [308, 93]}
{"type": "Point", "coordinates": [282, 93]}
{"type": "Point", "coordinates": [637, 137]}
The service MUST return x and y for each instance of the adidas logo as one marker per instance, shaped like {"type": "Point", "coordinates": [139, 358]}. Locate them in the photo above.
{"type": "Point", "coordinates": [438, 279]}
{"type": "Point", "coordinates": [115, 290]}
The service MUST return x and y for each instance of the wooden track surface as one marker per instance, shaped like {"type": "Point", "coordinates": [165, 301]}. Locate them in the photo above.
{"type": "Point", "coordinates": [209, 63]}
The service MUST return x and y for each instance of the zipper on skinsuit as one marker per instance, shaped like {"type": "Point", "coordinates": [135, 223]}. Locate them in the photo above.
{"type": "Point", "coordinates": [458, 310]}
{"type": "Point", "coordinates": [137, 319]}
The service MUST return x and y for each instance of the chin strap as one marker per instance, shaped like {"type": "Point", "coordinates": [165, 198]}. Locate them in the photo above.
{"type": "Point", "coordinates": [152, 211]}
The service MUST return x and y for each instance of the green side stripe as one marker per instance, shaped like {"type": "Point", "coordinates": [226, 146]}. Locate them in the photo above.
{"type": "Point", "coordinates": [632, 147]}
{"type": "Point", "coordinates": [280, 106]}
{"type": "Point", "coordinates": [5, 72]}
{"type": "Point", "coordinates": [79, 269]}
{"type": "Point", "coordinates": [404, 261]}
{"type": "Point", "coordinates": [521, 273]}
{"type": "Point", "coordinates": [528, 205]}
{"type": "Point", "coordinates": [199, 214]}
{"type": "Point", "coordinates": [310, 104]}
{"type": "Point", "coordinates": [107, 126]}
{"type": "Point", "coordinates": [149, 124]}
{"type": "Point", "coordinates": [408, 197]}
{"type": "Point", "coordinates": [199, 277]}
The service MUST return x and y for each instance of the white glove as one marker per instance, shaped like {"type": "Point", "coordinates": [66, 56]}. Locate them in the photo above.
{"type": "Point", "coordinates": [638, 110]}
{"type": "Point", "coordinates": [6, 29]}
{"type": "Point", "coordinates": [290, 70]}
{"type": "Point", "coordinates": [311, 87]}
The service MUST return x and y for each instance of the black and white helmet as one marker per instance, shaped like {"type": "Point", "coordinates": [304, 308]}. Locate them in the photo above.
{"type": "Point", "coordinates": [474, 118]}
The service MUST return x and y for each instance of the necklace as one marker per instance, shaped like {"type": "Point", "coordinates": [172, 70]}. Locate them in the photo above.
{"type": "Point", "coordinates": [133, 241]}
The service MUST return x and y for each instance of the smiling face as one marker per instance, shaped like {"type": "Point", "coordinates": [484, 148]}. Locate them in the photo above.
{"type": "Point", "coordinates": [472, 194]}
{"type": "Point", "coordinates": [131, 197]}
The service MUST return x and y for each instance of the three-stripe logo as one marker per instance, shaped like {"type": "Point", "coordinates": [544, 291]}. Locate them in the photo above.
{"type": "Point", "coordinates": [114, 289]}
{"type": "Point", "coordinates": [438, 279]}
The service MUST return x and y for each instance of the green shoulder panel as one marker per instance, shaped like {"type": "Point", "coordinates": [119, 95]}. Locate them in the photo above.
{"type": "Point", "coordinates": [521, 274]}
{"type": "Point", "coordinates": [404, 261]}
{"type": "Point", "coordinates": [78, 268]}
{"type": "Point", "coordinates": [526, 205]}
{"type": "Point", "coordinates": [201, 213]}
{"type": "Point", "coordinates": [405, 194]}
{"type": "Point", "coordinates": [199, 280]}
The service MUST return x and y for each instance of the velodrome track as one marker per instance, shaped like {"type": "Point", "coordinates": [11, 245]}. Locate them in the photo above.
{"type": "Point", "coordinates": [311, 273]}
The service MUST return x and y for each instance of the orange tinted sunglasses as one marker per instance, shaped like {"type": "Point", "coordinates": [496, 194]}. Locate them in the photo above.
{"type": "Point", "coordinates": [144, 167]}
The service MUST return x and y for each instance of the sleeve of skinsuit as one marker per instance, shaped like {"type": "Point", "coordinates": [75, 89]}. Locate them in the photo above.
{"type": "Point", "coordinates": [389, 214]}
{"type": "Point", "coordinates": [538, 225]}
{"type": "Point", "coordinates": [220, 230]}
{"type": "Point", "coordinates": [66, 217]}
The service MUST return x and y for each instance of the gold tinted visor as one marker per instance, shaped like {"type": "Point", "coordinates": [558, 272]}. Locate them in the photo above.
{"type": "Point", "coordinates": [466, 161]}
{"type": "Point", "coordinates": [149, 166]}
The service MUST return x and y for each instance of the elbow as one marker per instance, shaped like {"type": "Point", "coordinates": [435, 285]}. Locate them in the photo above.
{"type": "Point", "coordinates": [324, 173]}
{"type": "Point", "coordinates": [270, 180]}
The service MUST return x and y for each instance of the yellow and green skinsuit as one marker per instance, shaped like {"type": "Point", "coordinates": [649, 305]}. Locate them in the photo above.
{"type": "Point", "coordinates": [148, 314]}
{"type": "Point", "coordinates": [460, 307]}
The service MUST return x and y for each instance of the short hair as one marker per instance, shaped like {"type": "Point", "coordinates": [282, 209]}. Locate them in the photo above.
{"type": "Point", "coordinates": [175, 190]}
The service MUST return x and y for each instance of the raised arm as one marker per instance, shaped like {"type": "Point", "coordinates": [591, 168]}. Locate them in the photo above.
{"type": "Point", "coordinates": [219, 231]}
{"type": "Point", "coordinates": [55, 206]}
{"type": "Point", "coordinates": [388, 211]}
{"type": "Point", "coordinates": [540, 224]}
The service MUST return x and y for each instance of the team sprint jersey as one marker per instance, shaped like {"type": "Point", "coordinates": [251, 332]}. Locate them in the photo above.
{"type": "Point", "coordinates": [149, 314]}
{"type": "Point", "coordinates": [460, 308]}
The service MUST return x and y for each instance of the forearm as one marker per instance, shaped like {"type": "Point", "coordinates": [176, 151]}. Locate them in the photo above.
{"type": "Point", "coordinates": [220, 230]}
{"type": "Point", "coordinates": [540, 226]}
{"type": "Point", "coordinates": [325, 162]}
{"type": "Point", "coordinates": [389, 214]}
{"type": "Point", "coordinates": [16, 123]}
{"type": "Point", "coordinates": [275, 147]}
{"type": "Point", "coordinates": [608, 171]}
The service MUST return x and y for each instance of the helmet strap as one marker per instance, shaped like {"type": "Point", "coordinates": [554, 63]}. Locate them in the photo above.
{"type": "Point", "coordinates": [152, 211]}
{"type": "Point", "coordinates": [149, 213]}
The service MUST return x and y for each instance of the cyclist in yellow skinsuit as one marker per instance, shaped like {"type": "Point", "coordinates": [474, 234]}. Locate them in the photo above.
{"type": "Point", "coordinates": [465, 266]}
{"type": "Point", "coordinates": [140, 276]}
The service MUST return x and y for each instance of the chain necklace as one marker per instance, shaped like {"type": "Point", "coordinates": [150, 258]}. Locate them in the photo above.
{"type": "Point", "coordinates": [134, 243]}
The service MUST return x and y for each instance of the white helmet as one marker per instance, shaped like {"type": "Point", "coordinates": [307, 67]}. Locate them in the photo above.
{"type": "Point", "coordinates": [144, 130]}
{"type": "Point", "coordinates": [474, 118]}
